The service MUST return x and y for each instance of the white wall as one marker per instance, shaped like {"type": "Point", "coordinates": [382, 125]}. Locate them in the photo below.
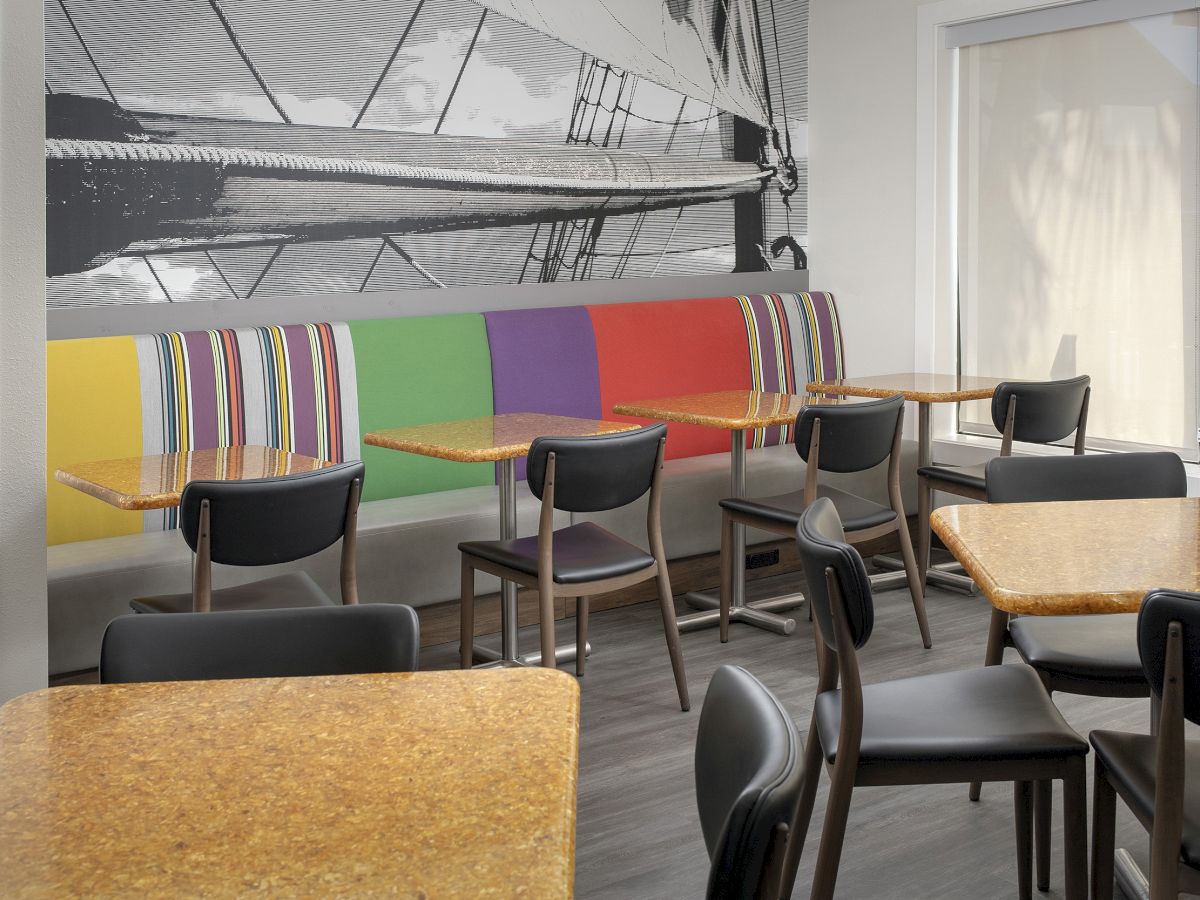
{"type": "Point", "coordinates": [862, 136]}
{"type": "Point", "coordinates": [22, 351]}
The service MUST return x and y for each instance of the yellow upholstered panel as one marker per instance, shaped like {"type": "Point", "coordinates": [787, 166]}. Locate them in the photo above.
{"type": "Point", "coordinates": [93, 411]}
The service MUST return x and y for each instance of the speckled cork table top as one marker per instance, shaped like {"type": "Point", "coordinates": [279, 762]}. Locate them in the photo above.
{"type": "Point", "coordinates": [487, 438]}
{"type": "Point", "coordinates": [1052, 559]}
{"type": "Point", "coordinates": [157, 482]}
{"type": "Point", "coordinates": [916, 386]}
{"type": "Point", "coordinates": [426, 785]}
{"type": "Point", "coordinates": [734, 410]}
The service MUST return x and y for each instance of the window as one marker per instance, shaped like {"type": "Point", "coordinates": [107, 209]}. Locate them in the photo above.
{"type": "Point", "coordinates": [1077, 221]}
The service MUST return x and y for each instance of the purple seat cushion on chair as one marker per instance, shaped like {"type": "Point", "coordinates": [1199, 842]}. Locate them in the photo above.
{"type": "Point", "coordinates": [544, 360]}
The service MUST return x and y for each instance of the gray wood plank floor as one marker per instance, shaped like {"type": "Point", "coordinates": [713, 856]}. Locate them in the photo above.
{"type": "Point", "coordinates": [638, 833]}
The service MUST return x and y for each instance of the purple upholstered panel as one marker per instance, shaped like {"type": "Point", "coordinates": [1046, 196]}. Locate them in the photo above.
{"type": "Point", "coordinates": [544, 360]}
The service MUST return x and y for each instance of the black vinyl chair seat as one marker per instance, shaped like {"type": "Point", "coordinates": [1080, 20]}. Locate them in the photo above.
{"type": "Point", "coordinates": [294, 590]}
{"type": "Point", "coordinates": [856, 513]}
{"type": "Point", "coordinates": [962, 476]}
{"type": "Point", "coordinates": [993, 714]}
{"type": "Point", "coordinates": [1100, 649]}
{"type": "Point", "coordinates": [582, 553]}
{"type": "Point", "coordinates": [1129, 761]}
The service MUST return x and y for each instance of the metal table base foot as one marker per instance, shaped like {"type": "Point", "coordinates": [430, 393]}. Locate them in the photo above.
{"type": "Point", "coordinates": [562, 653]}
{"type": "Point", "coordinates": [947, 574]}
{"type": "Point", "coordinates": [759, 613]}
{"type": "Point", "coordinates": [1130, 879]}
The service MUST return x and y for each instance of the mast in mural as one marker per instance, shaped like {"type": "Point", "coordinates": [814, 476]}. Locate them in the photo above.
{"type": "Point", "coordinates": [130, 182]}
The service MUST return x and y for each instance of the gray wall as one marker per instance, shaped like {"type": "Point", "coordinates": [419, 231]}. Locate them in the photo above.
{"type": "Point", "coordinates": [22, 351]}
{"type": "Point", "coordinates": [151, 318]}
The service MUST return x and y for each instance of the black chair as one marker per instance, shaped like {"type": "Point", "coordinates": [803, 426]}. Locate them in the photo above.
{"type": "Point", "coordinates": [747, 783]}
{"type": "Point", "coordinates": [582, 474]}
{"type": "Point", "coordinates": [1158, 777]}
{"type": "Point", "coordinates": [1034, 412]}
{"type": "Point", "coordinates": [261, 522]}
{"type": "Point", "coordinates": [850, 438]}
{"type": "Point", "coordinates": [990, 724]}
{"type": "Point", "coordinates": [261, 643]}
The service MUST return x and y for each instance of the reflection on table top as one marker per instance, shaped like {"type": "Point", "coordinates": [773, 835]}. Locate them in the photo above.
{"type": "Point", "coordinates": [917, 386]}
{"type": "Point", "coordinates": [487, 438]}
{"type": "Point", "coordinates": [734, 410]}
{"type": "Point", "coordinates": [156, 482]}
{"type": "Point", "coordinates": [1075, 557]}
{"type": "Point", "coordinates": [431, 784]}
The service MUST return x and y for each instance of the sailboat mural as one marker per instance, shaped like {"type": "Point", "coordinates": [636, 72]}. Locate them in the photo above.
{"type": "Point", "coordinates": [212, 149]}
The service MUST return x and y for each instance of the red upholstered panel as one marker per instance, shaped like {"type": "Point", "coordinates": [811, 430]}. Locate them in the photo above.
{"type": "Point", "coordinates": [671, 347]}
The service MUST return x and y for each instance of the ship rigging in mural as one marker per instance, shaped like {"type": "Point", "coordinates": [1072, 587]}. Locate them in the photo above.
{"type": "Point", "coordinates": [129, 184]}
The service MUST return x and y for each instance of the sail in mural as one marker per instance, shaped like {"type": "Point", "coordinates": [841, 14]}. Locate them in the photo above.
{"type": "Point", "coordinates": [212, 150]}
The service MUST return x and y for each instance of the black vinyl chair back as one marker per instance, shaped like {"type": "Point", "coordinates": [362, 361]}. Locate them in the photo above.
{"type": "Point", "coordinates": [1159, 609]}
{"type": "Point", "coordinates": [854, 437]}
{"type": "Point", "coordinates": [822, 545]}
{"type": "Point", "coordinates": [748, 775]}
{"type": "Point", "coordinates": [1100, 476]}
{"type": "Point", "coordinates": [596, 472]}
{"type": "Point", "coordinates": [263, 521]}
{"type": "Point", "coordinates": [268, 643]}
{"type": "Point", "coordinates": [1046, 411]}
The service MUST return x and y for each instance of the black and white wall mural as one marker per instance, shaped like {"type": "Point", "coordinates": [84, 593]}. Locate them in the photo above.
{"type": "Point", "coordinates": [238, 149]}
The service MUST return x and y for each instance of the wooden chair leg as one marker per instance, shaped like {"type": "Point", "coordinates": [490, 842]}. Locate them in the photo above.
{"type": "Point", "coordinates": [466, 617]}
{"type": "Point", "coordinates": [1043, 808]}
{"type": "Point", "coordinates": [1075, 861]}
{"type": "Point", "coordinates": [581, 631]}
{"type": "Point", "coordinates": [666, 602]}
{"type": "Point", "coordinates": [546, 626]}
{"type": "Point", "coordinates": [833, 832]}
{"type": "Point", "coordinates": [916, 586]}
{"type": "Point", "coordinates": [726, 588]}
{"type": "Point", "coordinates": [993, 655]}
{"type": "Point", "coordinates": [924, 534]}
{"type": "Point", "coordinates": [1023, 818]}
{"type": "Point", "coordinates": [804, 808]}
{"type": "Point", "coordinates": [1104, 834]}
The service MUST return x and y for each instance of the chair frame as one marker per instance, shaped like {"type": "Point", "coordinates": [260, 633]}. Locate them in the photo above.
{"type": "Point", "coordinates": [927, 485]}
{"type": "Point", "coordinates": [1168, 874]}
{"type": "Point", "coordinates": [899, 525]}
{"type": "Point", "coordinates": [548, 589]}
{"type": "Point", "coordinates": [202, 564]}
{"type": "Point", "coordinates": [834, 666]}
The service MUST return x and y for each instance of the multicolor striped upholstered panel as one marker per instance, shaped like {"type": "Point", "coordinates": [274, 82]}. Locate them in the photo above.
{"type": "Point", "coordinates": [791, 339]}
{"type": "Point", "coordinates": [293, 387]}
{"type": "Point", "coordinates": [93, 412]}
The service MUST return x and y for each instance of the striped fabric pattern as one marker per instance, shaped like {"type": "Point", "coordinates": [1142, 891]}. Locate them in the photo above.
{"type": "Point", "coordinates": [791, 339]}
{"type": "Point", "coordinates": [292, 387]}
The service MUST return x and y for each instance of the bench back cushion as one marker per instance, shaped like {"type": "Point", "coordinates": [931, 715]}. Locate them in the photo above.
{"type": "Point", "coordinates": [317, 388]}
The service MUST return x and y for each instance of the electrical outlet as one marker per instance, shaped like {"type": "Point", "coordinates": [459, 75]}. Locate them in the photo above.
{"type": "Point", "coordinates": [760, 560]}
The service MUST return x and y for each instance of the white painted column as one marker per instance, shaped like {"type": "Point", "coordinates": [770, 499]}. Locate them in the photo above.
{"type": "Point", "coordinates": [22, 350]}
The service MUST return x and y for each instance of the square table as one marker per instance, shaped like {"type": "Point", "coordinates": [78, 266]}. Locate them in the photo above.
{"type": "Point", "coordinates": [157, 481]}
{"type": "Point", "coordinates": [924, 389]}
{"type": "Point", "coordinates": [737, 412]}
{"type": "Point", "coordinates": [1072, 558]}
{"type": "Point", "coordinates": [501, 439]}
{"type": "Point", "coordinates": [429, 784]}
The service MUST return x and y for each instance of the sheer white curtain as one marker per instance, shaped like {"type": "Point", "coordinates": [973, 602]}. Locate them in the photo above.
{"type": "Point", "coordinates": [1077, 222]}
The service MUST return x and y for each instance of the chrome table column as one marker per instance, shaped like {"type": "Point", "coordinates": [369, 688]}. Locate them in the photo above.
{"type": "Point", "coordinates": [761, 613]}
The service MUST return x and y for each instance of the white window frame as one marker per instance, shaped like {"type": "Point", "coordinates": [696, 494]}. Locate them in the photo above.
{"type": "Point", "coordinates": [935, 342]}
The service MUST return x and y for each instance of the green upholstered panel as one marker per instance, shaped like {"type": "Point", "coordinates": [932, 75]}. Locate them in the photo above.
{"type": "Point", "coordinates": [412, 371]}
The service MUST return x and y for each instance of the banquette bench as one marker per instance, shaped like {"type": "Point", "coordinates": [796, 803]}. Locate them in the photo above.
{"type": "Point", "coordinates": [317, 388]}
